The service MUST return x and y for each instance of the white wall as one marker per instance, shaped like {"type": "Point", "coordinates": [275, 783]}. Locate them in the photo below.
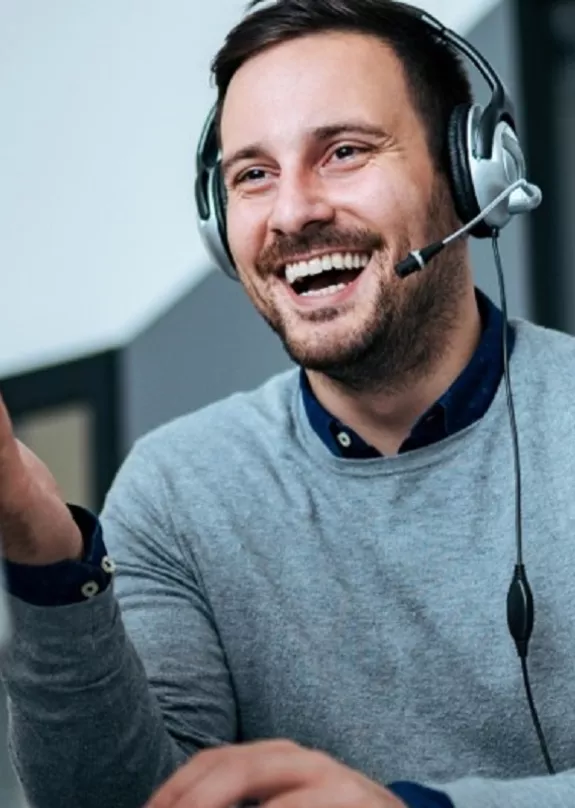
{"type": "Point", "coordinates": [101, 106]}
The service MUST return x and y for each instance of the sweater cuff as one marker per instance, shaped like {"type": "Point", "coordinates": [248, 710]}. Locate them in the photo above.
{"type": "Point", "coordinates": [416, 796]}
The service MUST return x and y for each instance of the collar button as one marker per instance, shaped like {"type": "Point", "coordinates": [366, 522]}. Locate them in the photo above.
{"type": "Point", "coordinates": [344, 440]}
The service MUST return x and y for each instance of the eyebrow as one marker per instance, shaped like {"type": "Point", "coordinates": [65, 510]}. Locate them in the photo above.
{"type": "Point", "coordinates": [319, 134]}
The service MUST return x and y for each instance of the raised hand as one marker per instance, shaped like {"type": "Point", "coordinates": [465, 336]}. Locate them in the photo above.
{"type": "Point", "coordinates": [36, 526]}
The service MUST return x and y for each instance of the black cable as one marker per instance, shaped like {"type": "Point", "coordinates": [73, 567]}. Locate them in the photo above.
{"type": "Point", "coordinates": [535, 717]}
{"type": "Point", "coordinates": [510, 405]}
{"type": "Point", "coordinates": [520, 610]}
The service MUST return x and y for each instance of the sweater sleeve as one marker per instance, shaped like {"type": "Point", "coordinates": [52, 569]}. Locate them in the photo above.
{"type": "Point", "coordinates": [105, 700]}
{"type": "Point", "coordinates": [557, 791]}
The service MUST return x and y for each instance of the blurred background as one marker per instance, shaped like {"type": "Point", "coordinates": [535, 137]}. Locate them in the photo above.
{"type": "Point", "coordinates": [111, 319]}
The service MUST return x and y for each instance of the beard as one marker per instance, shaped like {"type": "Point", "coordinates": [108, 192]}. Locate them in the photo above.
{"type": "Point", "coordinates": [408, 329]}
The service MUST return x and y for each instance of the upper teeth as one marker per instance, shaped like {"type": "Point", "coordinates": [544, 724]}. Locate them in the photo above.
{"type": "Point", "coordinates": [325, 263]}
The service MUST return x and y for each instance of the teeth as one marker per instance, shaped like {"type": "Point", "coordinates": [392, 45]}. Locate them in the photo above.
{"type": "Point", "coordinates": [325, 263]}
{"type": "Point", "coordinates": [329, 290]}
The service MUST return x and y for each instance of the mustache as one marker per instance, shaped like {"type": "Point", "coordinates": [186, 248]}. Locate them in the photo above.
{"type": "Point", "coordinates": [287, 248]}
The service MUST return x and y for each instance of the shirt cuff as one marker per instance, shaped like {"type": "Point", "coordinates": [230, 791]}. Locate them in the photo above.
{"type": "Point", "coordinates": [416, 796]}
{"type": "Point", "coordinates": [65, 582]}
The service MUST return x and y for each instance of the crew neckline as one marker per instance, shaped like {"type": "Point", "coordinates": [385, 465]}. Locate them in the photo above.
{"type": "Point", "coordinates": [415, 459]}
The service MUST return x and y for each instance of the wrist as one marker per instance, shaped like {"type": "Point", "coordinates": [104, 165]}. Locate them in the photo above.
{"type": "Point", "coordinates": [42, 541]}
{"type": "Point", "coordinates": [67, 582]}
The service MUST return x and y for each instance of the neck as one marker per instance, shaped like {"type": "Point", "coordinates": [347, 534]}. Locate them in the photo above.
{"type": "Point", "coordinates": [384, 419]}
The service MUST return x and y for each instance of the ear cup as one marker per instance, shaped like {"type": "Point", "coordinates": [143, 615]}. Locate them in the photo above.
{"type": "Point", "coordinates": [460, 175]}
{"type": "Point", "coordinates": [220, 199]}
{"type": "Point", "coordinates": [213, 228]}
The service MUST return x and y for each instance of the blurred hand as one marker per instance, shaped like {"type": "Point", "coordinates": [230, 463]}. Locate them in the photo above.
{"type": "Point", "coordinates": [36, 526]}
{"type": "Point", "coordinates": [277, 774]}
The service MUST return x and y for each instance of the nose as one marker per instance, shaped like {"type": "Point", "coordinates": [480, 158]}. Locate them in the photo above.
{"type": "Point", "coordinates": [299, 202]}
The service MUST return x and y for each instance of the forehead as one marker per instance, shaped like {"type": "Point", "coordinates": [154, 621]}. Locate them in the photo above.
{"type": "Point", "coordinates": [312, 81]}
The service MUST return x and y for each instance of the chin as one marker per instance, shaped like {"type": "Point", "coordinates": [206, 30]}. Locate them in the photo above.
{"type": "Point", "coordinates": [323, 346]}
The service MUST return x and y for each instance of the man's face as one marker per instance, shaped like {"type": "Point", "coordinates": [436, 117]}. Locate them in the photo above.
{"type": "Point", "coordinates": [330, 183]}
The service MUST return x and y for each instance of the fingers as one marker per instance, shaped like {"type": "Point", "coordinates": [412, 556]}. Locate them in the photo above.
{"type": "Point", "coordinates": [11, 465]}
{"type": "Point", "coordinates": [339, 793]}
{"type": "Point", "coordinates": [36, 527]}
{"type": "Point", "coordinates": [333, 795]}
{"type": "Point", "coordinates": [186, 778]}
{"type": "Point", "coordinates": [4, 417]}
{"type": "Point", "coordinates": [7, 440]}
{"type": "Point", "coordinates": [221, 778]}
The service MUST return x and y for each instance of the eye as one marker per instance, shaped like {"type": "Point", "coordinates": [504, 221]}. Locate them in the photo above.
{"type": "Point", "coordinates": [347, 150]}
{"type": "Point", "coordinates": [251, 175]}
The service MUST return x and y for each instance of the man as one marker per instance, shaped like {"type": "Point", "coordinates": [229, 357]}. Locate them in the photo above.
{"type": "Point", "coordinates": [309, 600]}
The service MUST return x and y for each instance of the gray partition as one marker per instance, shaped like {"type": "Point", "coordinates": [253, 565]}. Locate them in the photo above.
{"type": "Point", "coordinates": [209, 345]}
{"type": "Point", "coordinates": [563, 28]}
{"type": "Point", "coordinates": [495, 38]}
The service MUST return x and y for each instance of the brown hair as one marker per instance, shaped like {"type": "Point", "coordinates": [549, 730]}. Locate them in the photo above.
{"type": "Point", "coordinates": [436, 78]}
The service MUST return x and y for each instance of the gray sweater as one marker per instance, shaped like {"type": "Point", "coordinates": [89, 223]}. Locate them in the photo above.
{"type": "Point", "coordinates": [267, 588]}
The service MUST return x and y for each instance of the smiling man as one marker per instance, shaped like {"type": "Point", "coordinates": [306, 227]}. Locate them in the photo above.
{"type": "Point", "coordinates": [325, 195]}
{"type": "Point", "coordinates": [308, 608]}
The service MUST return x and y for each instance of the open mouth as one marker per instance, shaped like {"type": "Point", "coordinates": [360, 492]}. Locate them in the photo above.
{"type": "Point", "coordinates": [326, 274]}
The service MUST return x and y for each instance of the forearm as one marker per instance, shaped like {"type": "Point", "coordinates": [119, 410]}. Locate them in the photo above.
{"type": "Point", "coordinates": [533, 792]}
{"type": "Point", "coordinates": [84, 726]}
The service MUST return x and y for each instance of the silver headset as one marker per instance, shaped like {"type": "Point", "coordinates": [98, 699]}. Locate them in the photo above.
{"type": "Point", "coordinates": [485, 158]}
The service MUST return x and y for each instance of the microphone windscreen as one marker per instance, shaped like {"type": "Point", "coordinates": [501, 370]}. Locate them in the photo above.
{"type": "Point", "coordinates": [417, 259]}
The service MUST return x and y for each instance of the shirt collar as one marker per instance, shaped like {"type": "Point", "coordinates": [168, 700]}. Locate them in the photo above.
{"type": "Point", "coordinates": [465, 402]}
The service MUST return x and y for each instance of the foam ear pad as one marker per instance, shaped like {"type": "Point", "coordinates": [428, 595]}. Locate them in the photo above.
{"type": "Point", "coordinates": [460, 175]}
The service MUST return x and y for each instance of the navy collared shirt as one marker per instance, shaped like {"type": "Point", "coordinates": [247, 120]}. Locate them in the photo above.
{"type": "Point", "coordinates": [467, 400]}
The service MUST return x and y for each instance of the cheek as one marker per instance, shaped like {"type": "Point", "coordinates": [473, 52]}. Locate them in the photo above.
{"type": "Point", "coordinates": [405, 198]}
{"type": "Point", "coordinates": [387, 201]}
{"type": "Point", "coordinates": [246, 233]}
{"type": "Point", "coordinates": [408, 185]}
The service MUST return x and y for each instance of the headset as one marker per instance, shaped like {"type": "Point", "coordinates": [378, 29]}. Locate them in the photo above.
{"type": "Point", "coordinates": [485, 161]}
{"type": "Point", "coordinates": [487, 176]}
